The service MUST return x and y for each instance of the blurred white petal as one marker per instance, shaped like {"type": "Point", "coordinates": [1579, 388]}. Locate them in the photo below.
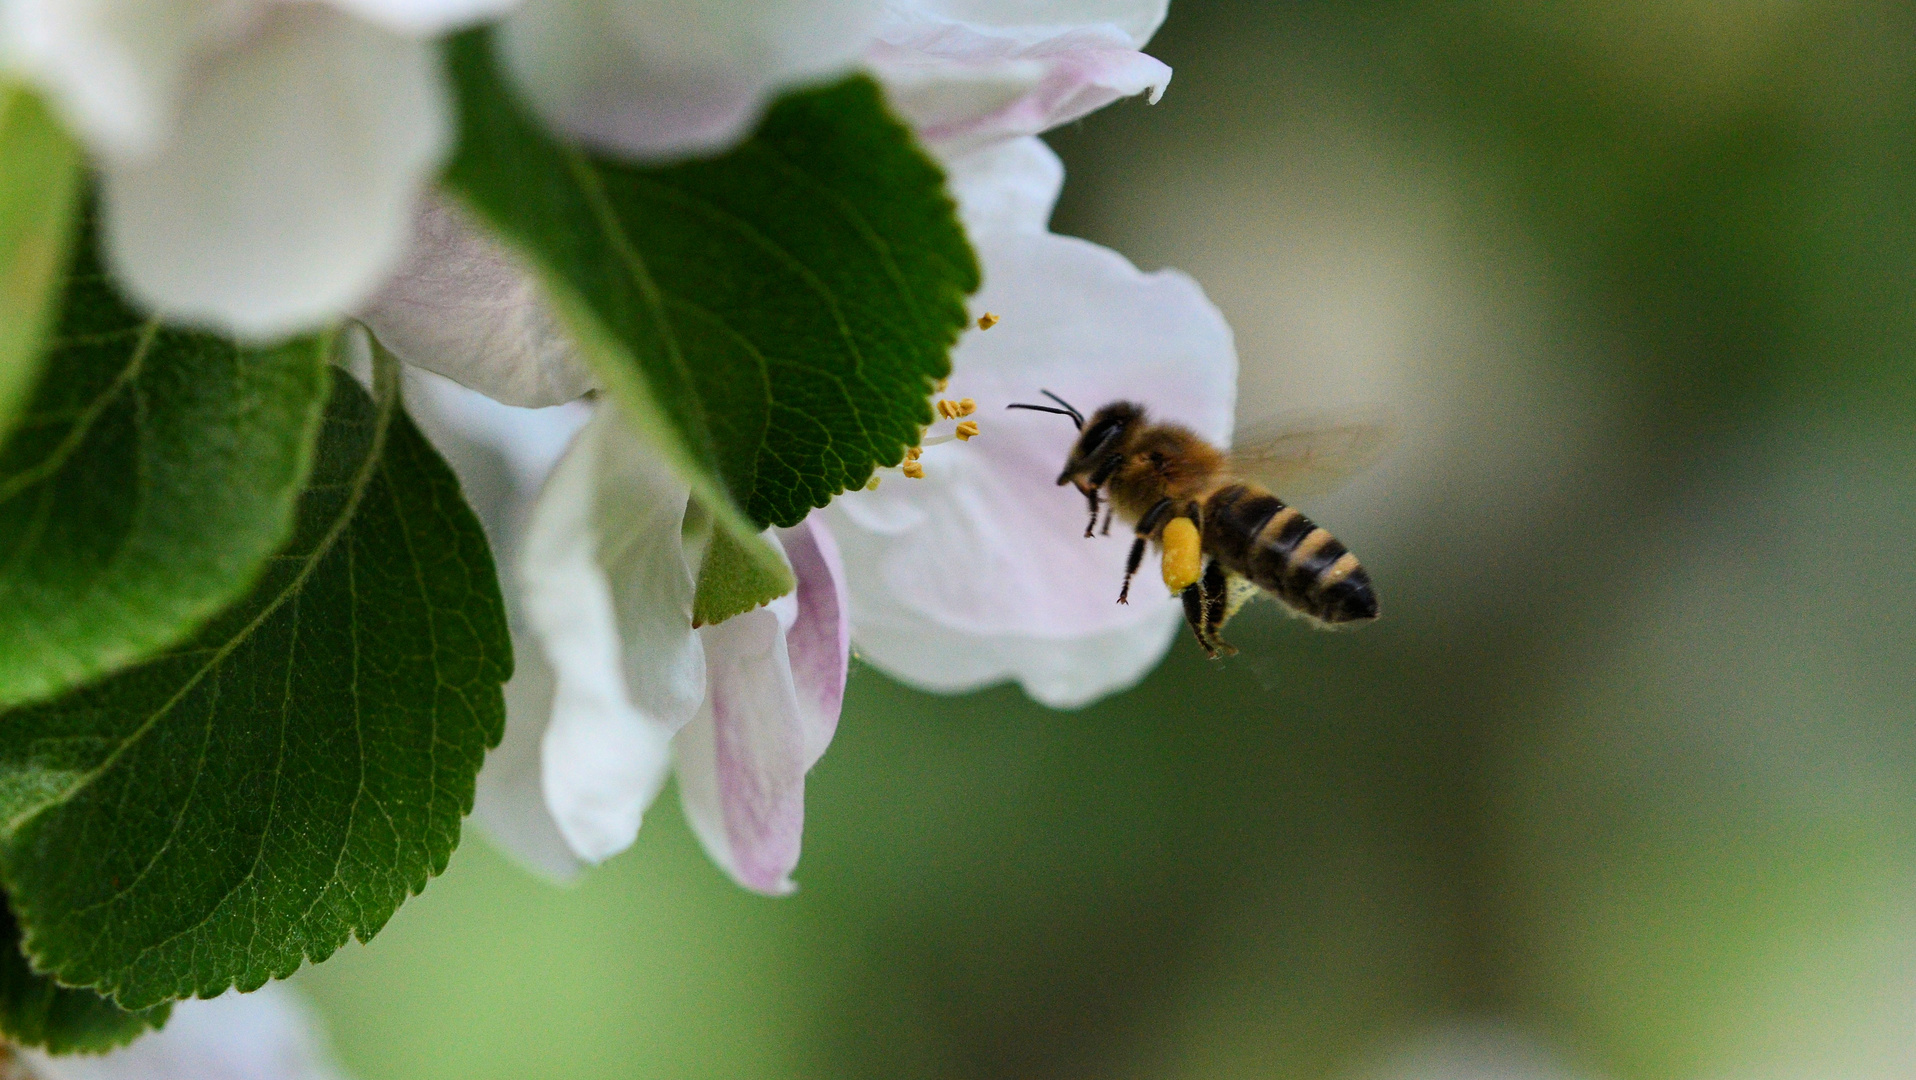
{"type": "Point", "coordinates": [422, 18]}
{"type": "Point", "coordinates": [820, 638]}
{"type": "Point", "coordinates": [1472, 1050]}
{"type": "Point", "coordinates": [962, 85]}
{"type": "Point", "coordinates": [269, 1034]}
{"type": "Point", "coordinates": [608, 591]}
{"type": "Point", "coordinates": [461, 305]}
{"type": "Point", "coordinates": [115, 69]}
{"type": "Point", "coordinates": [742, 759]}
{"type": "Point", "coordinates": [287, 189]}
{"type": "Point", "coordinates": [980, 571]}
{"type": "Point", "coordinates": [657, 78]}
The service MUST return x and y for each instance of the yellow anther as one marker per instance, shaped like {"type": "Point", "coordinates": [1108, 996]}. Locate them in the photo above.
{"type": "Point", "coordinates": [966, 430]}
{"type": "Point", "coordinates": [966, 406]}
{"type": "Point", "coordinates": [1182, 554]}
{"type": "Point", "coordinates": [912, 454]}
{"type": "Point", "coordinates": [987, 321]}
{"type": "Point", "coordinates": [939, 386]}
{"type": "Point", "coordinates": [949, 409]}
{"type": "Point", "coordinates": [872, 484]}
{"type": "Point", "coordinates": [913, 470]}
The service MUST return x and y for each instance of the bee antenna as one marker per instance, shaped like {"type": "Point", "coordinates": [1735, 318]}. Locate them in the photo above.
{"type": "Point", "coordinates": [1075, 418]}
{"type": "Point", "coordinates": [1075, 414]}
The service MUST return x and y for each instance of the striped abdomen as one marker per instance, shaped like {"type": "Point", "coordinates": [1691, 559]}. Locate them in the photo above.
{"type": "Point", "coordinates": [1286, 554]}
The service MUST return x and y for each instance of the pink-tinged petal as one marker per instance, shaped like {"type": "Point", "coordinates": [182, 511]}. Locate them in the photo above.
{"type": "Point", "coordinates": [1061, 672]}
{"type": "Point", "coordinates": [269, 1034]}
{"type": "Point", "coordinates": [961, 87]}
{"type": "Point", "coordinates": [741, 762]}
{"type": "Point", "coordinates": [462, 306]}
{"type": "Point", "coordinates": [1136, 20]}
{"type": "Point", "coordinates": [664, 78]}
{"type": "Point", "coordinates": [820, 639]}
{"type": "Point", "coordinates": [609, 593]}
{"type": "Point", "coordinates": [287, 188]}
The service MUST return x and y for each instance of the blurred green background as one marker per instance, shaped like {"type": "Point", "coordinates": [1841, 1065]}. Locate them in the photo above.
{"type": "Point", "coordinates": [1623, 786]}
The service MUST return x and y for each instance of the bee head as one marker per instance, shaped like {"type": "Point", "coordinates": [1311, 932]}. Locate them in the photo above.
{"type": "Point", "coordinates": [1102, 433]}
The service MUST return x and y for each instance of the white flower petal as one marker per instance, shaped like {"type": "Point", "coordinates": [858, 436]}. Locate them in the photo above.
{"type": "Point", "coordinates": [1010, 186]}
{"type": "Point", "coordinates": [287, 190]}
{"type": "Point", "coordinates": [269, 1034]}
{"type": "Point", "coordinates": [1137, 20]}
{"type": "Point", "coordinates": [461, 305]}
{"type": "Point", "coordinates": [742, 759]}
{"type": "Point", "coordinates": [422, 18]}
{"type": "Point", "coordinates": [995, 579]}
{"type": "Point", "coordinates": [820, 637]}
{"type": "Point", "coordinates": [963, 86]}
{"type": "Point", "coordinates": [671, 77]}
{"type": "Point", "coordinates": [608, 590]}
{"type": "Point", "coordinates": [502, 456]}
{"type": "Point", "coordinates": [510, 802]}
{"type": "Point", "coordinates": [1063, 673]}
{"type": "Point", "coordinates": [115, 69]}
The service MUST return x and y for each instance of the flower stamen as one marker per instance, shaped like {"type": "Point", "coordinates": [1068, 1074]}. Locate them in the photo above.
{"type": "Point", "coordinates": [987, 321]}
{"type": "Point", "coordinates": [913, 470]}
{"type": "Point", "coordinates": [967, 430]}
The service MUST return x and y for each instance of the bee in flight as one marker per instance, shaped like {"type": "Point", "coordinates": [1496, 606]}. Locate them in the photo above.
{"type": "Point", "coordinates": [1223, 535]}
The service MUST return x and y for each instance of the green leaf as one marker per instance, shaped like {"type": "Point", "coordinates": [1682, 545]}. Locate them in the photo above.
{"type": "Point", "coordinates": [733, 581]}
{"type": "Point", "coordinates": [153, 474]}
{"type": "Point", "coordinates": [36, 1011]}
{"type": "Point", "coordinates": [774, 319]}
{"type": "Point", "coordinates": [287, 777]}
{"type": "Point", "coordinates": [39, 191]}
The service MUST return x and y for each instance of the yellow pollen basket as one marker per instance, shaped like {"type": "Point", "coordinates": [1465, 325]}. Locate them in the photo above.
{"type": "Point", "coordinates": [1182, 554]}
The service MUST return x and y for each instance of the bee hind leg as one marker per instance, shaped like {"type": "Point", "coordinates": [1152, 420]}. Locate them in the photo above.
{"type": "Point", "coordinates": [1193, 597]}
{"type": "Point", "coordinates": [1216, 595]}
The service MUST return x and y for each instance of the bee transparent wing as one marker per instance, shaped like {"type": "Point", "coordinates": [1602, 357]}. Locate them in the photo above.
{"type": "Point", "coordinates": [1310, 453]}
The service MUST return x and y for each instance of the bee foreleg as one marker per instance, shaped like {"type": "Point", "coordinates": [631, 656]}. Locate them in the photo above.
{"type": "Point", "coordinates": [1092, 496]}
{"type": "Point", "coordinates": [1131, 569]}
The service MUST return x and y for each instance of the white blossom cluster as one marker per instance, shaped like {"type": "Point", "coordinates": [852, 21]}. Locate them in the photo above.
{"type": "Point", "coordinates": [268, 166]}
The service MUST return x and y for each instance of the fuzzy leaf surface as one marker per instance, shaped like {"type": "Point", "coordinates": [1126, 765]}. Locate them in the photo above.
{"type": "Point", "coordinates": [151, 476]}
{"type": "Point", "coordinates": [288, 776]}
{"type": "Point", "coordinates": [772, 318]}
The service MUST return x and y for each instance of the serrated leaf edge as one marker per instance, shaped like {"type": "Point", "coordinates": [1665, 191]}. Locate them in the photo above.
{"type": "Point", "coordinates": [386, 402]}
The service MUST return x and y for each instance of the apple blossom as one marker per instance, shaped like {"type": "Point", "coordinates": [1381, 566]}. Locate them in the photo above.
{"type": "Point", "coordinates": [259, 162]}
{"type": "Point", "coordinates": [616, 685]}
{"type": "Point", "coordinates": [979, 571]}
{"type": "Point", "coordinates": [268, 1034]}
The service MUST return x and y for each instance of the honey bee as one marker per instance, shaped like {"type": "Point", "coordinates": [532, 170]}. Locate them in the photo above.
{"type": "Point", "coordinates": [1223, 536]}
